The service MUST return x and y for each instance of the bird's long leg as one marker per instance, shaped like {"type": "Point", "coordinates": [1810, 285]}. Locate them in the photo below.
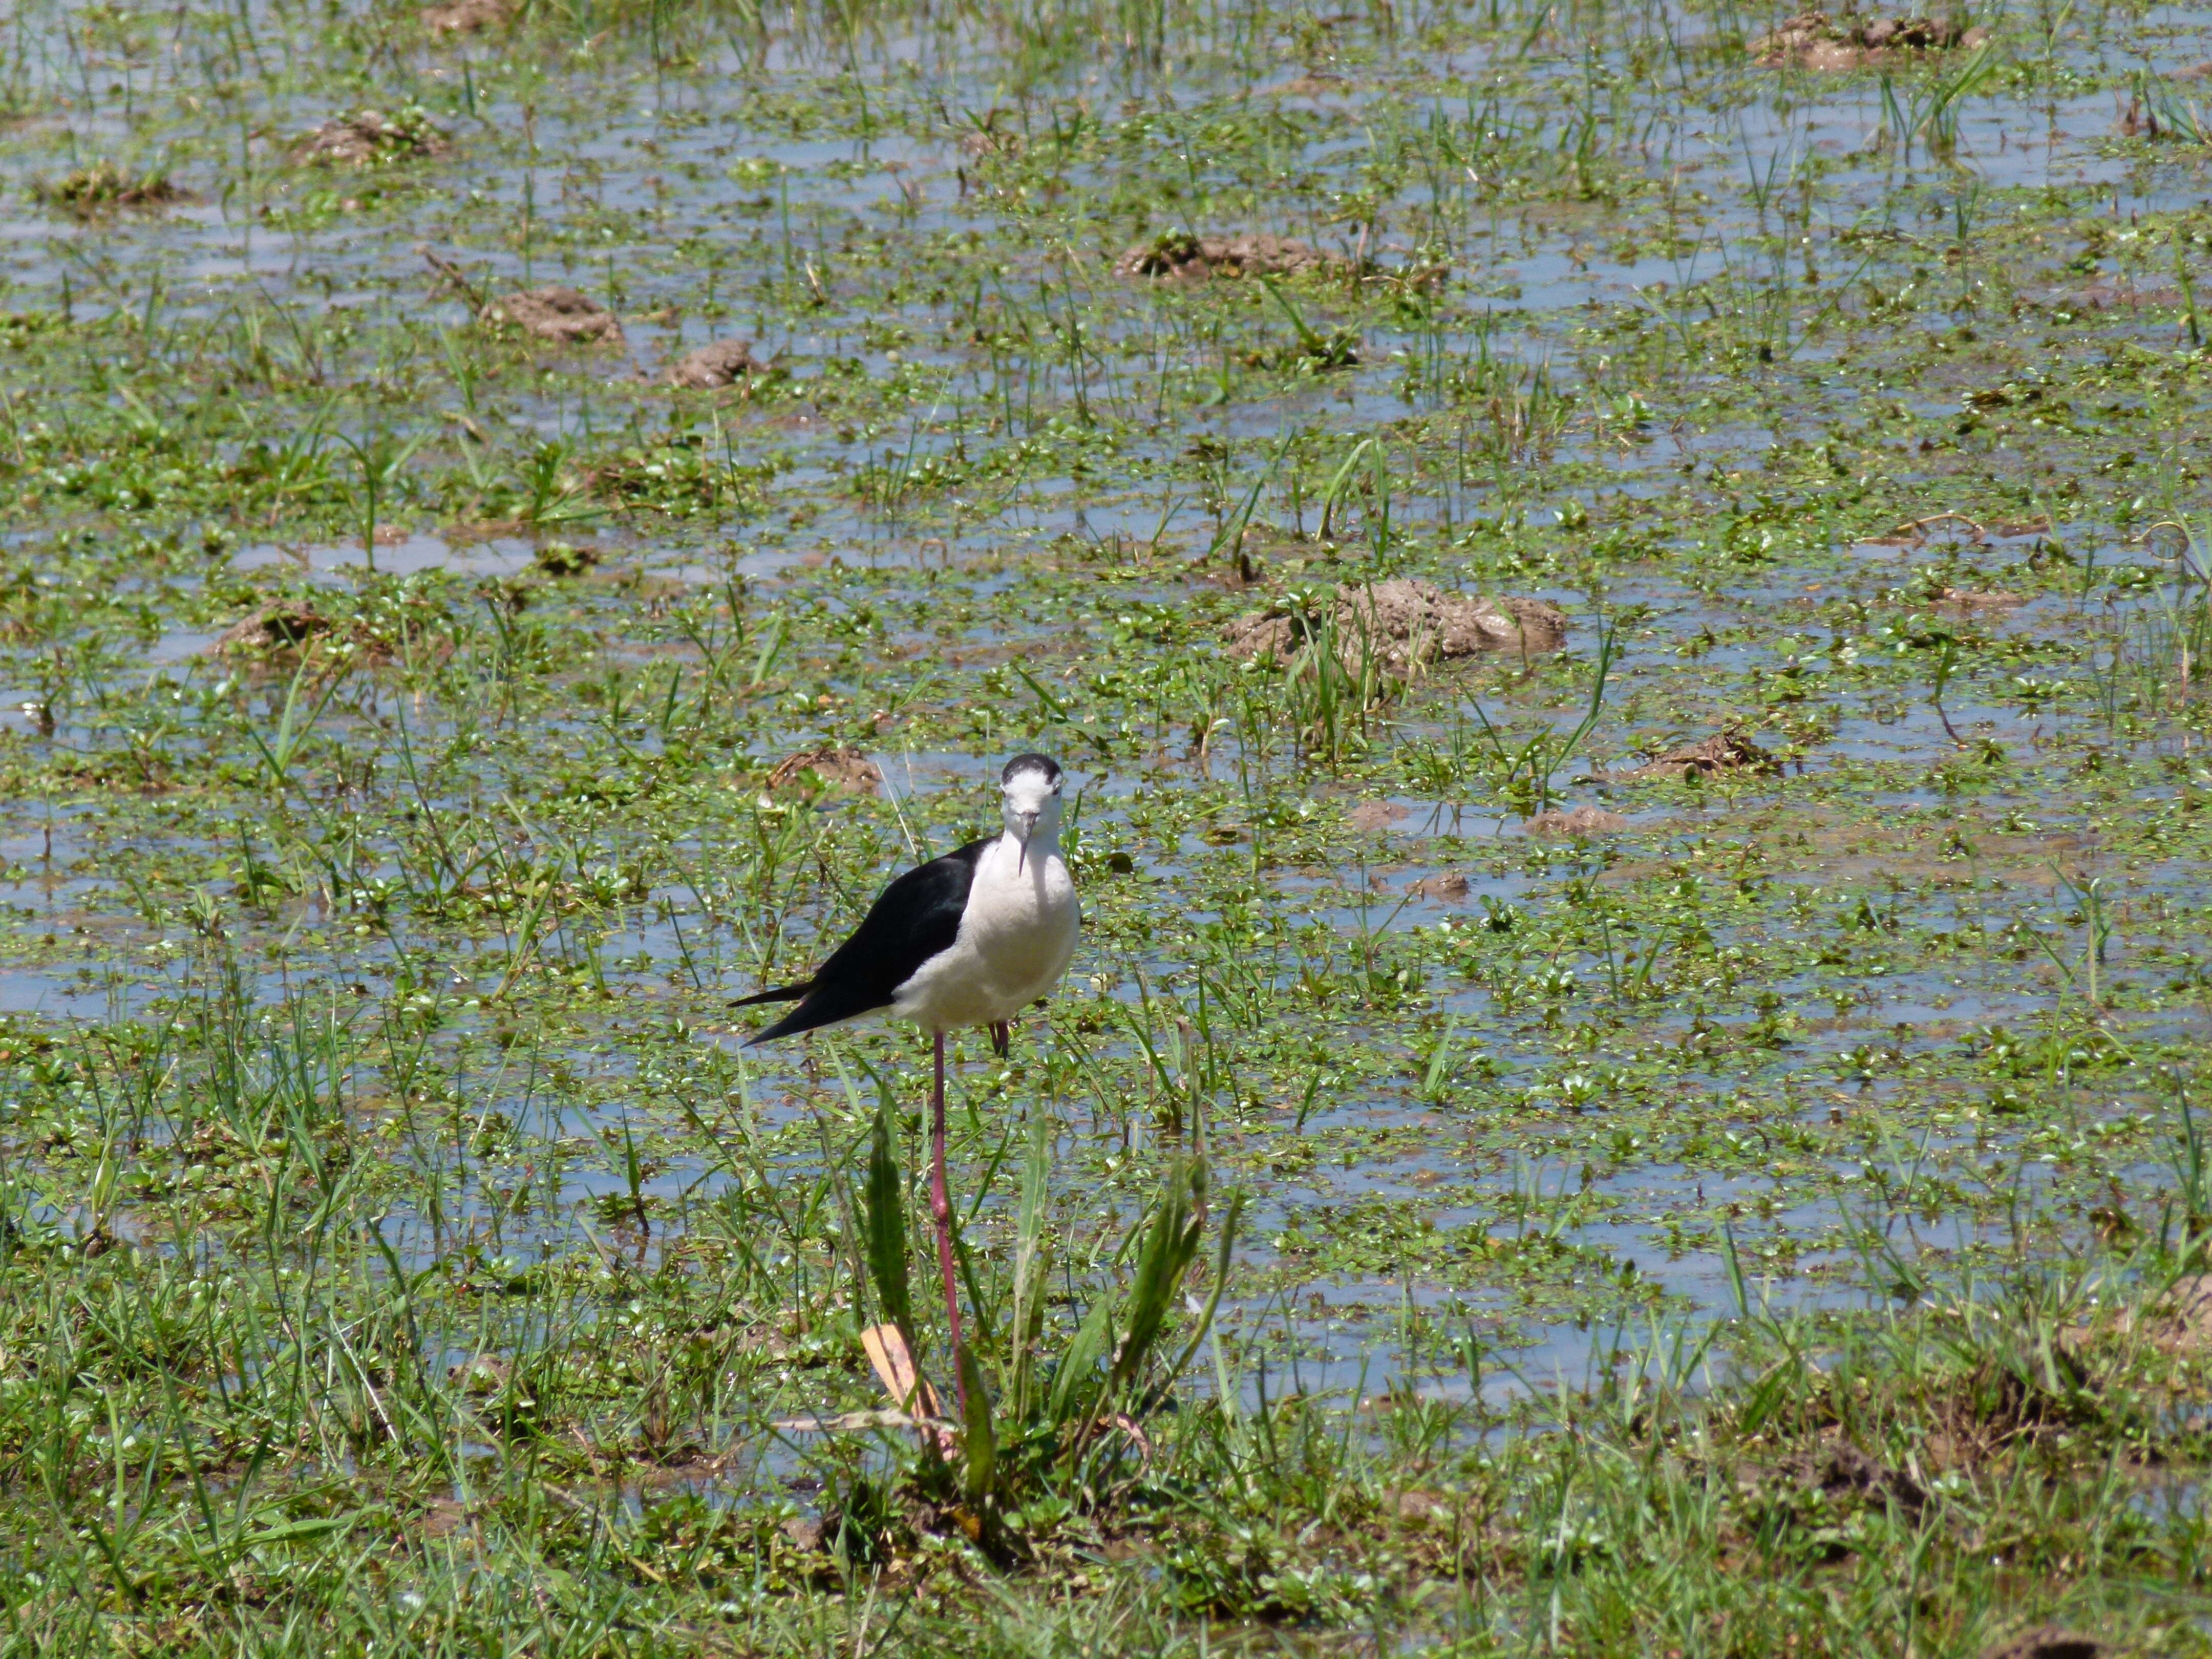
{"type": "Point", "coordinates": [940, 1207]}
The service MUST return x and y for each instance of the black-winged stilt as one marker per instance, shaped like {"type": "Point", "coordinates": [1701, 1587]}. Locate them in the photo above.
{"type": "Point", "coordinates": [970, 939]}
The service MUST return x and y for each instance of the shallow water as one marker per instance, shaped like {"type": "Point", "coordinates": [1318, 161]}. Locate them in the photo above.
{"type": "Point", "coordinates": [880, 264]}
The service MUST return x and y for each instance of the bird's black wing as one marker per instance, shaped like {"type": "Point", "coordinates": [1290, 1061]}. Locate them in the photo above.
{"type": "Point", "coordinates": [914, 919]}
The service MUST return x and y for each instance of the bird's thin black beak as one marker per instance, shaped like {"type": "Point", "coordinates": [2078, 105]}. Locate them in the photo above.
{"type": "Point", "coordinates": [1029, 828]}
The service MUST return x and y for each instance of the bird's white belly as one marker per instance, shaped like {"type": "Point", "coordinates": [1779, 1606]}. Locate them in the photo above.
{"type": "Point", "coordinates": [1016, 937]}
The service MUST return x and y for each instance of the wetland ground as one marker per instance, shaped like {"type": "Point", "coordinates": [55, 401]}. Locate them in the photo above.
{"type": "Point", "coordinates": [1623, 590]}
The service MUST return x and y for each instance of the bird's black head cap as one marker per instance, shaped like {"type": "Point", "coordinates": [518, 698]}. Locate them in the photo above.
{"type": "Point", "coordinates": [1020, 763]}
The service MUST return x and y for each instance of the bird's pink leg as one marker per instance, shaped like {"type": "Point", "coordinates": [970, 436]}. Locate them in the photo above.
{"type": "Point", "coordinates": [940, 1207]}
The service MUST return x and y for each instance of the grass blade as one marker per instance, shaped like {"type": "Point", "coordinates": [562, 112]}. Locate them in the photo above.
{"type": "Point", "coordinates": [886, 1201]}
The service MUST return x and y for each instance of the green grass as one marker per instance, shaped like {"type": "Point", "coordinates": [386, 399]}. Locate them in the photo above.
{"type": "Point", "coordinates": [1772, 1227]}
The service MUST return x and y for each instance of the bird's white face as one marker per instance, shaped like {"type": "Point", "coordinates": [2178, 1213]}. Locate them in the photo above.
{"type": "Point", "coordinates": [1030, 801]}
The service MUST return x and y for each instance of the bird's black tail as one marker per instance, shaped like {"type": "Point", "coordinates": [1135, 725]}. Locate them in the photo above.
{"type": "Point", "coordinates": [781, 994]}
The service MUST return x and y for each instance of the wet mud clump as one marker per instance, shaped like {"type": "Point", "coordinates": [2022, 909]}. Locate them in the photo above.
{"type": "Point", "coordinates": [2180, 1323]}
{"type": "Point", "coordinates": [1815, 40]}
{"type": "Point", "coordinates": [369, 137]}
{"type": "Point", "coordinates": [988, 139]}
{"type": "Point", "coordinates": [563, 559]}
{"type": "Point", "coordinates": [1450, 887]}
{"type": "Point", "coordinates": [466, 16]}
{"type": "Point", "coordinates": [1979, 598]}
{"type": "Point", "coordinates": [106, 185]}
{"type": "Point", "coordinates": [1403, 624]}
{"type": "Point", "coordinates": [555, 313]}
{"type": "Point", "coordinates": [837, 768]}
{"type": "Point", "coordinates": [1183, 256]}
{"type": "Point", "coordinates": [1576, 821]}
{"type": "Point", "coordinates": [2052, 1642]}
{"type": "Point", "coordinates": [275, 632]}
{"type": "Point", "coordinates": [722, 364]}
{"type": "Point", "coordinates": [1828, 1483]}
{"type": "Point", "coordinates": [1725, 752]}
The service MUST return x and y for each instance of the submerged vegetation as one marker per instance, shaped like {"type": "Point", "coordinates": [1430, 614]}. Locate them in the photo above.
{"type": "Point", "coordinates": [1625, 590]}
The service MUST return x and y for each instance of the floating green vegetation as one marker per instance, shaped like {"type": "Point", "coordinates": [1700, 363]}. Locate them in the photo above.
{"type": "Point", "coordinates": [1623, 591]}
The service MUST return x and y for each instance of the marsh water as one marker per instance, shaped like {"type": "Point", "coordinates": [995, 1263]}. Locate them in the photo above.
{"type": "Point", "coordinates": [1858, 414]}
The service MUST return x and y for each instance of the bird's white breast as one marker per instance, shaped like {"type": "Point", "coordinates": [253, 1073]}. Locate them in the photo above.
{"type": "Point", "coordinates": [1017, 936]}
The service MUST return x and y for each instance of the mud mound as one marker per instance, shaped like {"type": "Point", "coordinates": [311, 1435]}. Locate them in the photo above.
{"type": "Point", "coordinates": [1979, 598]}
{"type": "Point", "coordinates": [1576, 821]}
{"type": "Point", "coordinates": [1725, 752]}
{"type": "Point", "coordinates": [106, 185]}
{"type": "Point", "coordinates": [555, 313]}
{"type": "Point", "coordinates": [272, 631]}
{"type": "Point", "coordinates": [1374, 816]}
{"type": "Point", "coordinates": [1450, 887]}
{"type": "Point", "coordinates": [1319, 84]}
{"type": "Point", "coordinates": [562, 560]}
{"type": "Point", "coordinates": [2051, 1643]}
{"type": "Point", "coordinates": [369, 137]}
{"type": "Point", "coordinates": [1815, 40]}
{"type": "Point", "coordinates": [466, 16]}
{"type": "Point", "coordinates": [2181, 1321]}
{"type": "Point", "coordinates": [834, 767]}
{"type": "Point", "coordinates": [715, 365]}
{"type": "Point", "coordinates": [1183, 257]}
{"type": "Point", "coordinates": [1841, 1470]}
{"type": "Point", "coordinates": [988, 139]}
{"type": "Point", "coordinates": [1404, 624]}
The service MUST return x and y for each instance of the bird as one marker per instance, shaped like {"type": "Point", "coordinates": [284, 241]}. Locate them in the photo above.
{"type": "Point", "coordinates": [970, 939]}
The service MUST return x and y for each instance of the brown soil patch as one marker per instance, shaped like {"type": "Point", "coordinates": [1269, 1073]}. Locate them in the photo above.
{"type": "Point", "coordinates": [832, 767]}
{"type": "Point", "coordinates": [466, 16]}
{"type": "Point", "coordinates": [2126, 296]}
{"type": "Point", "coordinates": [1576, 821]}
{"type": "Point", "coordinates": [273, 630]}
{"type": "Point", "coordinates": [1373, 817]}
{"type": "Point", "coordinates": [1841, 1470]}
{"type": "Point", "coordinates": [368, 137]}
{"type": "Point", "coordinates": [1404, 624]}
{"type": "Point", "coordinates": [564, 559]}
{"type": "Point", "coordinates": [715, 365]}
{"type": "Point", "coordinates": [1826, 45]}
{"type": "Point", "coordinates": [442, 1517]}
{"type": "Point", "coordinates": [1450, 887]}
{"type": "Point", "coordinates": [2181, 1321]}
{"type": "Point", "coordinates": [2051, 1643]}
{"type": "Point", "coordinates": [1185, 257]}
{"type": "Point", "coordinates": [484, 1374]}
{"type": "Point", "coordinates": [555, 313]}
{"type": "Point", "coordinates": [1725, 752]}
{"type": "Point", "coordinates": [988, 139]}
{"type": "Point", "coordinates": [1319, 83]}
{"type": "Point", "coordinates": [105, 184]}
{"type": "Point", "coordinates": [1979, 598]}
{"type": "Point", "coordinates": [283, 634]}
